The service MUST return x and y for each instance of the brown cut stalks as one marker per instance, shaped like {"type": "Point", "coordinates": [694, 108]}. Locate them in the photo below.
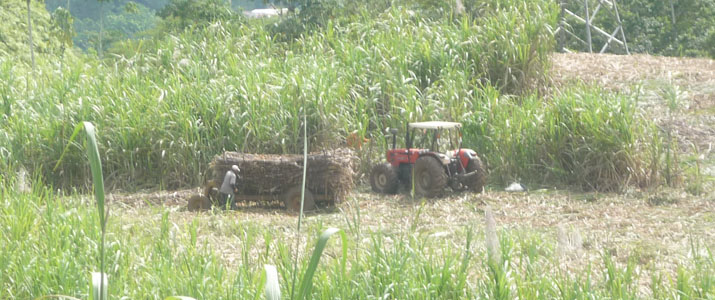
{"type": "Point", "coordinates": [329, 173]}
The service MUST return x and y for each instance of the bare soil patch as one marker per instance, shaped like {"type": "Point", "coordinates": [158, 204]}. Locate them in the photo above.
{"type": "Point", "coordinates": [620, 71]}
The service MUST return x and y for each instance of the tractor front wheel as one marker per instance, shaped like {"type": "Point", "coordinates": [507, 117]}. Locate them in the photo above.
{"type": "Point", "coordinates": [429, 176]}
{"type": "Point", "coordinates": [477, 185]}
{"type": "Point", "coordinates": [383, 179]}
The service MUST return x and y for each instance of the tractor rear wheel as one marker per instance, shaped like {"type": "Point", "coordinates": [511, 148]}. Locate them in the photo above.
{"type": "Point", "coordinates": [477, 185]}
{"type": "Point", "coordinates": [383, 179]}
{"type": "Point", "coordinates": [291, 199]}
{"type": "Point", "coordinates": [429, 176]}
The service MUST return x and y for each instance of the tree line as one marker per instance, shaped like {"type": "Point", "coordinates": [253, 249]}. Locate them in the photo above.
{"type": "Point", "coordinates": [671, 28]}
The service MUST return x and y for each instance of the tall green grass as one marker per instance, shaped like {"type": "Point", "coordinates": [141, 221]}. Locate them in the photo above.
{"type": "Point", "coordinates": [167, 106]}
{"type": "Point", "coordinates": [48, 244]}
{"type": "Point", "coordinates": [582, 136]}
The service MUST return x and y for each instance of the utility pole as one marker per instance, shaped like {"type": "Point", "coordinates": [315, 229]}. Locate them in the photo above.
{"type": "Point", "coordinates": [569, 18]}
{"type": "Point", "coordinates": [672, 21]}
{"type": "Point", "coordinates": [588, 27]}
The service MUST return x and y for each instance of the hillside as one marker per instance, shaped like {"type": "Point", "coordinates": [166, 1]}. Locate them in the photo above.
{"type": "Point", "coordinates": [13, 30]}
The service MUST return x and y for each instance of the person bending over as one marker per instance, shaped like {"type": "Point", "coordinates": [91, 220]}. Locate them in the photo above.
{"type": "Point", "coordinates": [229, 188]}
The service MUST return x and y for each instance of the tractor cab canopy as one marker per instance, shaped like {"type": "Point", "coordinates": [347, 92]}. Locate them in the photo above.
{"type": "Point", "coordinates": [435, 125]}
{"type": "Point", "coordinates": [434, 139]}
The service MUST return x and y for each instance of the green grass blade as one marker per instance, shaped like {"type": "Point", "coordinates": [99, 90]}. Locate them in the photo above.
{"type": "Point", "coordinates": [272, 287]}
{"type": "Point", "coordinates": [95, 165]}
{"type": "Point", "coordinates": [179, 298]}
{"type": "Point", "coordinates": [61, 297]}
{"type": "Point", "coordinates": [74, 135]}
{"type": "Point", "coordinates": [302, 196]}
{"type": "Point", "coordinates": [307, 280]}
{"type": "Point", "coordinates": [99, 287]}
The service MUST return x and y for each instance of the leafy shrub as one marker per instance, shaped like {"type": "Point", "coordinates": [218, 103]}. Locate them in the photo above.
{"type": "Point", "coordinates": [181, 14]}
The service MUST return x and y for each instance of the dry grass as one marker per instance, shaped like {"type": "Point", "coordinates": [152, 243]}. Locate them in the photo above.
{"type": "Point", "coordinates": [329, 173]}
{"type": "Point", "coordinates": [655, 228]}
{"type": "Point", "coordinates": [621, 71]}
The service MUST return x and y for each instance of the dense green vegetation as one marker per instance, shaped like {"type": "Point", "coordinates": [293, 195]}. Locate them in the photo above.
{"type": "Point", "coordinates": [673, 28]}
{"type": "Point", "coordinates": [169, 104]}
{"type": "Point", "coordinates": [48, 245]}
{"type": "Point", "coordinates": [206, 80]}
{"type": "Point", "coordinates": [582, 137]}
{"type": "Point", "coordinates": [126, 19]}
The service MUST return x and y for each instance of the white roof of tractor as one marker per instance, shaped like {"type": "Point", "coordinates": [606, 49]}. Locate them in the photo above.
{"type": "Point", "coordinates": [435, 125]}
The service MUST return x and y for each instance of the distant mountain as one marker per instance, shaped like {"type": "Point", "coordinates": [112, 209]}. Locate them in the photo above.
{"type": "Point", "coordinates": [119, 22]}
{"type": "Point", "coordinates": [89, 8]}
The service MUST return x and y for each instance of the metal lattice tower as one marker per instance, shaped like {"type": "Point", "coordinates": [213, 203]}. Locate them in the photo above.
{"type": "Point", "coordinates": [569, 21]}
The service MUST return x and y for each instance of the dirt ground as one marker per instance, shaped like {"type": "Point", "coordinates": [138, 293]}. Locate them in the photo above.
{"type": "Point", "coordinates": [657, 227]}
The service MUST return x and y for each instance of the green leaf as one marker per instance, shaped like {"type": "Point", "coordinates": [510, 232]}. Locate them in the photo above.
{"type": "Point", "coordinates": [94, 162]}
{"type": "Point", "coordinates": [307, 281]}
{"type": "Point", "coordinates": [95, 165]}
{"type": "Point", "coordinates": [178, 298]}
{"type": "Point", "coordinates": [99, 287]}
{"type": "Point", "coordinates": [273, 288]}
{"type": "Point", "coordinates": [61, 297]}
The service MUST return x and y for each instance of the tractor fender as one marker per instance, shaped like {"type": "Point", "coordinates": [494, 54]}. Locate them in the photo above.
{"type": "Point", "coordinates": [443, 159]}
{"type": "Point", "coordinates": [465, 155]}
{"type": "Point", "coordinates": [396, 157]}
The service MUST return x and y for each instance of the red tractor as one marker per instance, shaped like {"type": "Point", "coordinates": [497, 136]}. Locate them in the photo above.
{"type": "Point", "coordinates": [432, 170]}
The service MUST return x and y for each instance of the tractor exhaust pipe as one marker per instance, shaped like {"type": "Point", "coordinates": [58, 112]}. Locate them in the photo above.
{"type": "Point", "coordinates": [393, 131]}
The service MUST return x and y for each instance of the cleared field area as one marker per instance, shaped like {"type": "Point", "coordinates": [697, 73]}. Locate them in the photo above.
{"type": "Point", "coordinates": [653, 234]}
{"type": "Point", "coordinates": [657, 227]}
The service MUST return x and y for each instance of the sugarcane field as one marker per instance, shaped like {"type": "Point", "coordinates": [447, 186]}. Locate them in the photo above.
{"type": "Point", "coordinates": [215, 149]}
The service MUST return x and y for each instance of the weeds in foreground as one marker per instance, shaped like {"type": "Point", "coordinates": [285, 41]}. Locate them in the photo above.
{"type": "Point", "coordinates": [99, 282]}
{"type": "Point", "coordinates": [696, 182]}
{"type": "Point", "coordinates": [48, 243]}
